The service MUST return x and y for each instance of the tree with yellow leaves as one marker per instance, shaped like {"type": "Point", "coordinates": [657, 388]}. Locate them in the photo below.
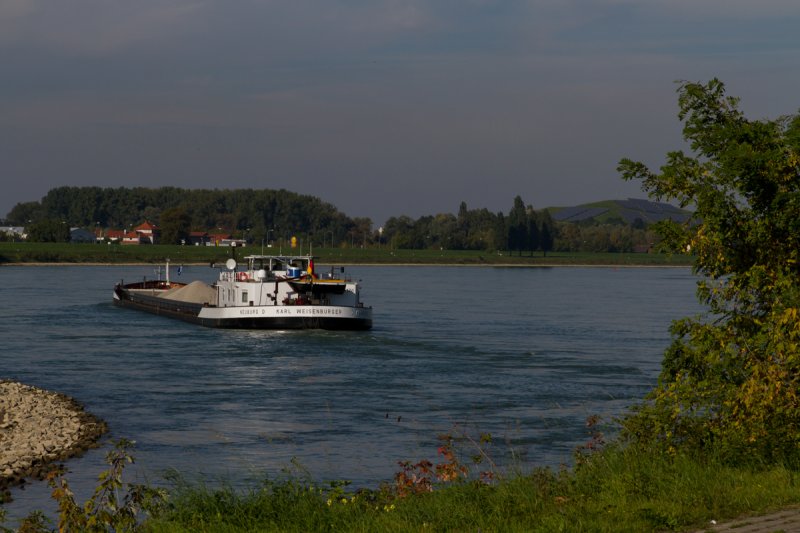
{"type": "Point", "coordinates": [730, 381]}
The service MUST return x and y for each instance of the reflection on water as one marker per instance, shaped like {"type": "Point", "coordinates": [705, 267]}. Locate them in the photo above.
{"type": "Point", "coordinates": [525, 354]}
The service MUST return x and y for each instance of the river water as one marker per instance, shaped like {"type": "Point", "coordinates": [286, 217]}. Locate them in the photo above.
{"type": "Point", "coordinates": [526, 354]}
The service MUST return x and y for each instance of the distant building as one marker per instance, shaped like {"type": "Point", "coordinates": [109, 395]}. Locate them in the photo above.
{"type": "Point", "coordinates": [233, 242]}
{"type": "Point", "coordinates": [110, 235]}
{"type": "Point", "coordinates": [81, 235]}
{"type": "Point", "coordinates": [131, 237]}
{"type": "Point", "coordinates": [199, 238]}
{"type": "Point", "coordinates": [149, 233]}
{"type": "Point", "coordinates": [216, 239]}
{"type": "Point", "coordinates": [16, 232]}
{"type": "Point", "coordinates": [145, 233]}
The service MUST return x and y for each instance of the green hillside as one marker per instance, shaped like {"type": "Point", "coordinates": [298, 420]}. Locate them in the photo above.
{"type": "Point", "coordinates": [620, 211]}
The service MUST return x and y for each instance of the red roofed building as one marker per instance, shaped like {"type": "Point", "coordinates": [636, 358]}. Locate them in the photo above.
{"type": "Point", "coordinates": [131, 237]}
{"type": "Point", "coordinates": [215, 239]}
{"type": "Point", "coordinates": [112, 235]}
{"type": "Point", "coordinates": [149, 233]}
{"type": "Point", "coordinates": [199, 238]}
{"type": "Point", "coordinates": [146, 233]}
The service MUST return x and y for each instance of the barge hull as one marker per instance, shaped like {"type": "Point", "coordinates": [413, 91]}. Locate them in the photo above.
{"type": "Point", "coordinates": [300, 317]}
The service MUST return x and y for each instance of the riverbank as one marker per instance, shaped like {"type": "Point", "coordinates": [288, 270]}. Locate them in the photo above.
{"type": "Point", "coordinates": [39, 428]}
{"type": "Point", "coordinates": [323, 262]}
{"type": "Point", "coordinates": [615, 489]}
{"type": "Point", "coordinates": [94, 254]}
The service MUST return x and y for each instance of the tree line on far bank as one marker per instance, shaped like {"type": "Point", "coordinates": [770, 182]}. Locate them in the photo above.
{"type": "Point", "coordinates": [277, 215]}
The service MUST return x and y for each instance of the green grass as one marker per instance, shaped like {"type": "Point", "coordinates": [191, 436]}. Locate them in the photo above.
{"type": "Point", "coordinates": [117, 254]}
{"type": "Point", "coordinates": [32, 252]}
{"type": "Point", "coordinates": [613, 491]}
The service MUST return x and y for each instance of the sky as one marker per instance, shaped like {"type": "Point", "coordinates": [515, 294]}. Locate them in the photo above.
{"type": "Point", "coordinates": [380, 107]}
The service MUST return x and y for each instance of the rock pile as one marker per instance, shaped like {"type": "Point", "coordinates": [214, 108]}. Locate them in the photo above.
{"type": "Point", "coordinates": [38, 428]}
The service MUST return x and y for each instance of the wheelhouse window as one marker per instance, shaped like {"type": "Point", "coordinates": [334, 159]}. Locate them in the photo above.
{"type": "Point", "coordinates": [244, 297]}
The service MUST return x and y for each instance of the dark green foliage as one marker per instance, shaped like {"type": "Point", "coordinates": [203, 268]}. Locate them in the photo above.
{"type": "Point", "coordinates": [532, 231]}
{"type": "Point", "coordinates": [24, 213]}
{"type": "Point", "coordinates": [547, 234]}
{"type": "Point", "coordinates": [114, 506]}
{"type": "Point", "coordinates": [730, 383]}
{"type": "Point", "coordinates": [48, 230]}
{"type": "Point", "coordinates": [523, 230]}
{"type": "Point", "coordinates": [517, 227]}
{"type": "Point", "coordinates": [275, 216]}
{"type": "Point", "coordinates": [267, 214]}
{"type": "Point", "coordinates": [175, 225]}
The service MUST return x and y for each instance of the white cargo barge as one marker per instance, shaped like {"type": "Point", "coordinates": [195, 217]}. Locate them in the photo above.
{"type": "Point", "coordinates": [271, 292]}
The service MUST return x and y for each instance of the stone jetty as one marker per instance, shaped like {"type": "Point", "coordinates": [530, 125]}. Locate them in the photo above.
{"type": "Point", "coordinates": [39, 428]}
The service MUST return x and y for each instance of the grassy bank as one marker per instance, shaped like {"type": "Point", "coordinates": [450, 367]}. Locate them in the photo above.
{"type": "Point", "coordinates": [614, 490]}
{"type": "Point", "coordinates": [117, 254]}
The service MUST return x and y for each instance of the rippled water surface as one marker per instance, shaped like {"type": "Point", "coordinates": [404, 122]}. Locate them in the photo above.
{"type": "Point", "coordinates": [525, 354]}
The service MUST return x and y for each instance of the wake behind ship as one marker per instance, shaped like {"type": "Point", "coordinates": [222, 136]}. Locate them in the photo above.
{"type": "Point", "coordinates": [271, 292]}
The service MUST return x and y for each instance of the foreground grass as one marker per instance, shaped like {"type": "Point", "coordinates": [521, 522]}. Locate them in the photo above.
{"type": "Point", "coordinates": [611, 491]}
{"type": "Point", "coordinates": [30, 252]}
{"type": "Point", "coordinates": [614, 490]}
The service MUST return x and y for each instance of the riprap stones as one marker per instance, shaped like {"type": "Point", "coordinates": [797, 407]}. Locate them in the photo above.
{"type": "Point", "coordinates": [39, 428]}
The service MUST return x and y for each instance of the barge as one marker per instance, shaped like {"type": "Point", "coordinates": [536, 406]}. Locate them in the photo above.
{"type": "Point", "coordinates": [269, 292]}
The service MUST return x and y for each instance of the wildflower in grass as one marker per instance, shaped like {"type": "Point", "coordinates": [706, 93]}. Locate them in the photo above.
{"type": "Point", "coordinates": [414, 478]}
{"type": "Point", "coordinates": [451, 469]}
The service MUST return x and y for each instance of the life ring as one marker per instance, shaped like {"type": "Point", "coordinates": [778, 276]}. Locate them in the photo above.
{"type": "Point", "coordinates": [242, 276]}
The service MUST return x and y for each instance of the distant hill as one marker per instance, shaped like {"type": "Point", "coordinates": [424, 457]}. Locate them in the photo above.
{"type": "Point", "coordinates": [627, 211]}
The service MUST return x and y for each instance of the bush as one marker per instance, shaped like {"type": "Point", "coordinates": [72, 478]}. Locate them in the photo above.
{"type": "Point", "coordinates": [729, 382]}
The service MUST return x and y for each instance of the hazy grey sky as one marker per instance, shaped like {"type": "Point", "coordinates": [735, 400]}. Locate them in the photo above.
{"type": "Point", "coordinates": [381, 107]}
